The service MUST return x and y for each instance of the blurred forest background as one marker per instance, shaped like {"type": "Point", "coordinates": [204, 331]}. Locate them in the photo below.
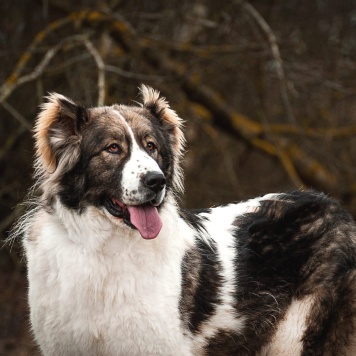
{"type": "Point", "coordinates": [267, 89]}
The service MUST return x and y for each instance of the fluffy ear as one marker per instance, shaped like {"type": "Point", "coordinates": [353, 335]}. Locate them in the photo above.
{"type": "Point", "coordinates": [159, 107]}
{"type": "Point", "coordinates": [57, 131]}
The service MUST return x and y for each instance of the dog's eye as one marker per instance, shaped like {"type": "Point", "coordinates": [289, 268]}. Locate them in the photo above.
{"type": "Point", "coordinates": [151, 147]}
{"type": "Point", "coordinates": [113, 148]}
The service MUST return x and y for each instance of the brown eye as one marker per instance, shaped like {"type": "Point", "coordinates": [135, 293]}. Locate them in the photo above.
{"type": "Point", "coordinates": [114, 148]}
{"type": "Point", "coordinates": [151, 147]}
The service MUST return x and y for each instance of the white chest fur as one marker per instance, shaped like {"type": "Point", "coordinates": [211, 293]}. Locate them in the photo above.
{"type": "Point", "coordinates": [119, 298]}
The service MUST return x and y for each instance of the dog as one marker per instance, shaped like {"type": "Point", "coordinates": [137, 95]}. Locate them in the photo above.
{"type": "Point", "coordinates": [115, 267]}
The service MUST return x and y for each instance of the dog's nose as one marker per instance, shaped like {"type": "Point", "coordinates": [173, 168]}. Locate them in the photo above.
{"type": "Point", "coordinates": [155, 181]}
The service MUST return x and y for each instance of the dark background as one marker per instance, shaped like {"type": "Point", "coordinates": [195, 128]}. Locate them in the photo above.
{"type": "Point", "coordinates": [266, 89]}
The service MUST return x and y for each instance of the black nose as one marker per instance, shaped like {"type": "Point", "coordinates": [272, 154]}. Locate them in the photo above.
{"type": "Point", "coordinates": [155, 181]}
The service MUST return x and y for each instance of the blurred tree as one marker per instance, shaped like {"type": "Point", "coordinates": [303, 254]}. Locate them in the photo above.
{"type": "Point", "coordinates": [267, 89]}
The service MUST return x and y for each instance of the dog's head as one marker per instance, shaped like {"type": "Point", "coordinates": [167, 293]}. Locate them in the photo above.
{"type": "Point", "coordinates": [120, 159]}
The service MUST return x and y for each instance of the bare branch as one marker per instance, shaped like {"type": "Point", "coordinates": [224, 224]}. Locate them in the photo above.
{"type": "Point", "coordinates": [11, 83]}
{"type": "Point", "coordinates": [332, 132]}
{"type": "Point", "coordinates": [308, 72]}
{"type": "Point", "coordinates": [297, 163]}
{"type": "Point", "coordinates": [57, 68]}
{"type": "Point", "coordinates": [101, 70]}
{"type": "Point", "coordinates": [290, 169]}
{"type": "Point", "coordinates": [15, 81]}
{"type": "Point", "coordinates": [23, 121]}
{"type": "Point", "coordinates": [9, 86]}
{"type": "Point", "coordinates": [272, 40]}
{"type": "Point", "coordinates": [206, 51]}
{"type": "Point", "coordinates": [11, 140]}
{"type": "Point", "coordinates": [131, 75]}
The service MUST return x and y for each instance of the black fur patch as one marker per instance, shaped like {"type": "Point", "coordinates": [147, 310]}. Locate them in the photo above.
{"type": "Point", "coordinates": [207, 294]}
{"type": "Point", "coordinates": [295, 245]}
{"type": "Point", "coordinates": [155, 108]}
{"type": "Point", "coordinates": [191, 269]}
{"type": "Point", "coordinates": [226, 343]}
{"type": "Point", "coordinates": [72, 116]}
{"type": "Point", "coordinates": [201, 278]}
{"type": "Point", "coordinates": [194, 219]}
{"type": "Point", "coordinates": [283, 254]}
{"type": "Point", "coordinates": [73, 187]}
{"type": "Point", "coordinates": [165, 149]}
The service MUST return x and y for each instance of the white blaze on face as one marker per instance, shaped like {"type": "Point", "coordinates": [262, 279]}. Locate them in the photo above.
{"type": "Point", "coordinates": [135, 169]}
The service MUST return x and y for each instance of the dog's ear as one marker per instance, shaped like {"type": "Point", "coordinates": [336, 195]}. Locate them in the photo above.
{"type": "Point", "coordinates": [171, 122]}
{"type": "Point", "coordinates": [57, 130]}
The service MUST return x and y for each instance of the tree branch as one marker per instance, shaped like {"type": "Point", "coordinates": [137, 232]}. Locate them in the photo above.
{"type": "Point", "coordinates": [23, 121]}
{"type": "Point", "coordinates": [101, 70]}
{"type": "Point", "coordinates": [15, 80]}
{"type": "Point", "coordinates": [7, 88]}
{"type": "Point", "coordinates": [299, 165]}
{"type": "Point", "coordinates": [11, 140]}
{"type": "Point", "coordinates": [273, 44]}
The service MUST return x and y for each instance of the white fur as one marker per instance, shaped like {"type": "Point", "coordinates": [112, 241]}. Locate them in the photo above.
{"type": "Point", "coordinates": [96, 288]}
{"type": "Point", "coordinates": [219, 226]}
{"type": "Point", "coordinates": [139, 164]}
{"type": "Point", "coordinates": [225, 317]}
{"type": "Point", "coordinates": [288, 339]}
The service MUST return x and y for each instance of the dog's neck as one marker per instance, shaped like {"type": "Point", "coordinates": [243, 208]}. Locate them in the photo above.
{"type": "Point", "coordinates": [95, 232]}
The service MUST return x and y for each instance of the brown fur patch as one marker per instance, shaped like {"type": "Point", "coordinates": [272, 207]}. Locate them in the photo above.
{"type": "Point", "coordinates": [191, 268]}
{"type": "Point", "coordinates": [103, 118]}
{"type": "Point", "coordinates": [49, 114]}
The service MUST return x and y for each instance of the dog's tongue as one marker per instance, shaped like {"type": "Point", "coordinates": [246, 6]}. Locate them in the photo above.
{"type": "Point", "coordinates": [146, 220]}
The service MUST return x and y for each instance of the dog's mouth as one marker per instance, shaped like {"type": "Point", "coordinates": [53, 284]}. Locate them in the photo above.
{"type": "Point", "coordinates": [144, 218]}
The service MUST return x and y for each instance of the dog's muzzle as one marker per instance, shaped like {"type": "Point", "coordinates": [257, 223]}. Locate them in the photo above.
{"type": "Point", "coordinates": [140, 210]}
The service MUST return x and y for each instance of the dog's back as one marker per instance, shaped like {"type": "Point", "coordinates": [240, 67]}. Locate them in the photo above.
{"type": "Point", "coordinates": [290, 284]}
{"type": "Point", "coordinates": [116, 268]}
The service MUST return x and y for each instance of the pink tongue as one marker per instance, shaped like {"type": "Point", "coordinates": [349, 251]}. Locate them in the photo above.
{"type": "Point", "coordinates": [146, 220]}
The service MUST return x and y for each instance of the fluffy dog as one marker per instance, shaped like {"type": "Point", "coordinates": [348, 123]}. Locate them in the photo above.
{"type": "Point", "coordinates": [115, 267]}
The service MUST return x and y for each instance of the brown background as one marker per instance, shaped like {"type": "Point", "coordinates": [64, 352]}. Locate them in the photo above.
{"type": "Point", "coordinates": [267, 90]}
